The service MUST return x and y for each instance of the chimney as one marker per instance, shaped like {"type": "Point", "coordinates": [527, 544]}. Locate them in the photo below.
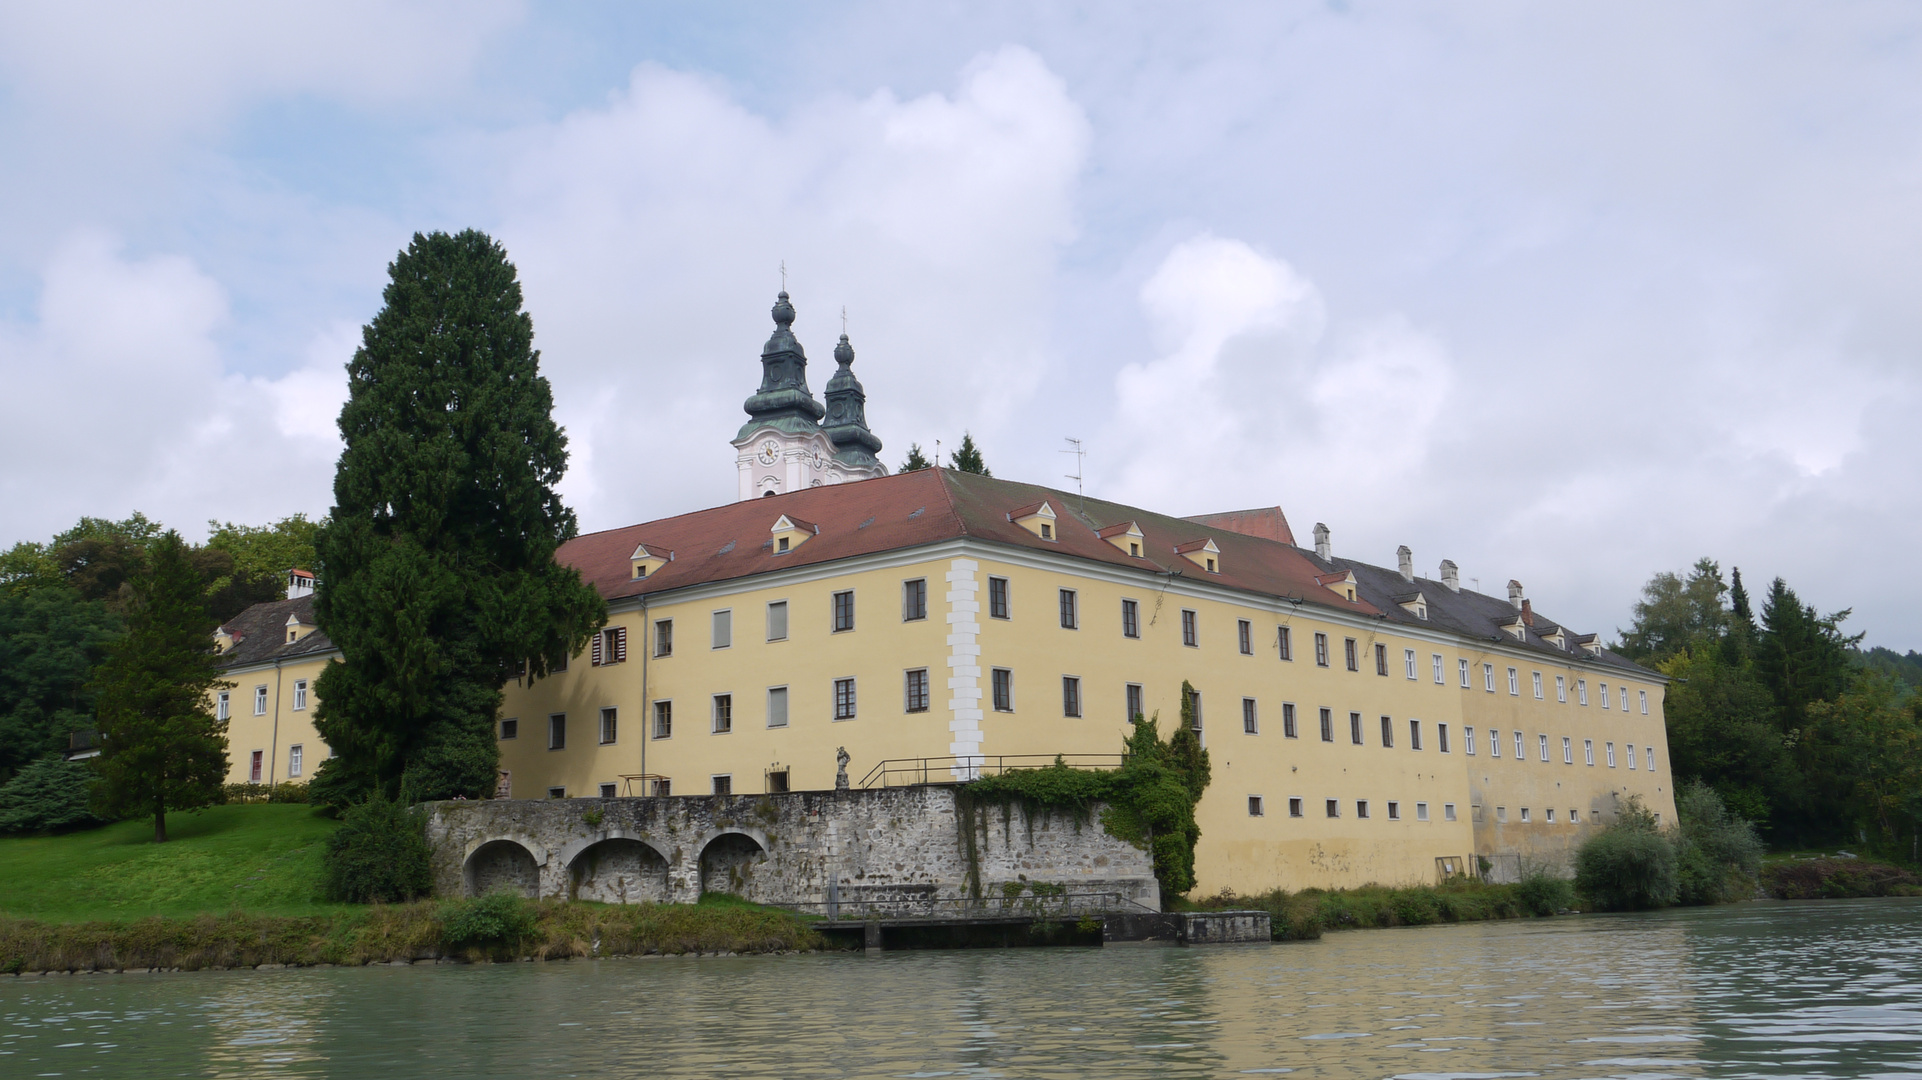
{"type": "Point", "coordinates": [1528, 613]}
{"type": "Point", "coordinates": [1451, 575]}
{"type": "Point", "coordinates": [1515, 592]}
{"type": "Point", "coordinates": [1322, 547]}
{"type": "Point", "coordinates": [1406, 560]}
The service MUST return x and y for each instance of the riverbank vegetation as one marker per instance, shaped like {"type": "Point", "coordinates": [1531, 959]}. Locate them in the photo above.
{"type": "Point", "coordinates": [499, 927]}
{"type": "Point", "coordinates": [1309, 913]}
{"type": "Point", "coordinates": [1836, 879]}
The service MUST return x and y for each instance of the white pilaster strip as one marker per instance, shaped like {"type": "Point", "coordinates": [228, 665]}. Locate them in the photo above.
{"type": "Point", "coordinates": [964, 666]}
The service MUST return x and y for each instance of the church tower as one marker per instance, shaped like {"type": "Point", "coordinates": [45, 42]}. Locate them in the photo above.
{"type": "Point", "coordinates": [783, 446]}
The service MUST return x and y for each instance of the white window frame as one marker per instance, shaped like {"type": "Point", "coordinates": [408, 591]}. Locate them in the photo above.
{"type": "Point", "coordinates": [300, 694]}
{"type": "Point", "coordinates": [296, 760]}
{"type": "Point", "coordinates": [1514, 682]}
{"type": "Point", "coordinates": [1488, 677]}
{"type": "Point", "coordinates": [784, 698]}
{"type": "Point", "coordinates": [1631, 755]}
{"type": "Point", "coordinates": [1581, 692]}
{"type": "Point", "coordinates": [1408, 663]}
{"type": "Point", "coordinates": [1610, 747]}
{"type": "Point", "coordinates": [1462, 666]}
{"type": "Point", "coordinates": [223, 706]}
{"type": "Point", "coordinates": [1538, 685]}
{"type": "Point", "coordinates": [1448, 811]}
{"type": "Point", "coordinates": [714, 714]}
{"type": "Point", "coordinates": [1250, 717]}
{"type": "Point", "coordinates": [853, 700]}
{"type": "Point", "coordinates": [1601, 689]}
{"type": "Point", "coordinates": [1421, 811]}
{"type": "Point", "coordinates": [1561, 689]}
{"type": "Point", "coordinates": [1255, 808]}
{"type": "Point", "coordinates": [721, 629]}
{"type": "Point", "coordinates": [1644, 694]}
{"type": "Point", "coordinates": [608, 729]}
{"type": "Point", "coordinates": [1495, 742]}
{"type": "Point", "coordinates": [782, 606]}
{"type": "Point", "coordinates": [1543, 743]}
{"type": "Point", "coordinates": [1525, 815]}
{"type": "Point", "coordinates": [1521, 753]}
{"type": "Point", "coordinates": [1568, 750]}
{"type": "Point", "coordinates": [1588, 751]}
{"type": "Point", "coordinates": [260, 701]}
{"type": "Point", "coordinates": [1468, 739]}
{"type": "Point", "coordinates": [1440, 678]}
{"type": "Point", "coordinates": [1624, 691]}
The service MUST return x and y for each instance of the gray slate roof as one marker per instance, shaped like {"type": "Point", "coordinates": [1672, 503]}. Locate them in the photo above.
{"type": "Point", "coordinates": [260, 634]}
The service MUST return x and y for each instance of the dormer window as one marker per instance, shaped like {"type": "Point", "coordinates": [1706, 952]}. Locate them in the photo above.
{"type": "Point", "coordinates": [1341, 583]}
{"type": "Point", "coordinates": [1047, 531]}
{"type": "Point", "coordinates": [1134, 550]}
{"type": "Point", "coordinates": [646, 561]}
{"type": "Point", "coordinates": [1125, 536]}
{"type": "Point", "coordinates": [1037, 518]}
{"type": "Point", "coordinates": [1202, 553]}
{"type": "Point", "coordinates": [1415, 604]}
{"type": "Point", "coordinates": [790, 533]}
{"type": "Point", "coordinates": [781, 544]}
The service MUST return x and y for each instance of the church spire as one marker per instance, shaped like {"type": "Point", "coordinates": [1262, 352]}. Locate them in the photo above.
{"type": "Point", "coordinates": [784, 400]}
{"type": "Point", "coordinates": [847, 415]}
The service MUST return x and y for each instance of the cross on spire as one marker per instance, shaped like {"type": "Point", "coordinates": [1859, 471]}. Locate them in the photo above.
{"type": "Point", "coordinates": [783, 275]}
{"type": "Point", "coordinates": [844, 320]}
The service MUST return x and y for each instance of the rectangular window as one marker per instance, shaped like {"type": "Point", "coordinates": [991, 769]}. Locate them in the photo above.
{"type": "Point", "coordinates": [914, 600]}
{"type": "Point", "coordinates": [1601, 691]}
{"type": "Point", "coordinates": [843, 611]}
{"type": "Point", "coordinates": [1194, 710]}
{"type": "Point", "coordinates": [1488, 677]}
{"type": "Point", "coordinates": [844, 699]}
{"type": "Point", "coordinates": [1294, 807]}
{"type": "Point", "coordinates": [1361, 808]}
{"type": "Point", "coordinates": [1501, 813]}
{"type": "Point", "coordinates": [1288, 720]}
{"type": "Point", "coordinates": [1254, 806]}
{"type": "Point", "coordinates": [1514, 683]}
{"type": "Point", "coordinates": [1651, 758]}
{"type": "Point", "coordinates": [1135, 707]}
{"type": "Point", "coordinates": [1588, 751]}
{"type": "Point", "coordinates": [1519, 755]}
{"type": "Point", "coordinates": [295, 754]}
{"type": "Point", "coordinates": [1462, 665]}
{"type": "Point", "coordinates": [1421, 811]}
{"type": "Point", "coordinates": [254, 766]}
{"type": "Point", "coordinates": [1610, 749]}
{"type": "Point", "coordinates": [1568, 750]}
{"type": "Point", "coordinates": [610, 725]}
{"type": "Point", "coordinates": [1624, 699]}
{"type": "Point", "coordinates": [724, 785]}
{"type": "Point", "coordinates": [777, 782]}
{"type": "Point", "coordinates": [1354, 728]}
{"type": "Point", "coordinates": [607, 791]}
{"type": "Point", "coordinates": [1441, 738]}
{"type": "Point", "coordinates": [1494, 743]}
{"type": "Point", "coordinates": [1414, 734]}
{"type": "Point", "coordinates": [300, 693]}
{"type": "Point", "coordinates": [557, 731]}
{"type": "Point", "coordinates": [1408, 662]}
{"type": "Point", "coordinates": [1327, 725]}
{"type": "Point", "coordinates": [1387, 733]}
{"type": "Point", "coordinates": [1381, 659]}
{"type": "Point", "coordinates": [222, 705]}
{"type": "Point", "coordinates": [1285, 642]}
{"type": "Point", "coordinates": [777, 706]}
{"type": "Point", "coordinates": [1468, 740]}
{"type": "Point", "coordinates": [777, 621]}
{"type": "Point", "coordinates": [663, 719]}
{"type": "Point", "coordinates": [1394, 811]}
{"type": "Point", "coordinates": [1068, 619]}
{"type": "Point", "coordinates": [1524, 815]}
{"type": "Point", "coordinates": [664, 637]}
{"type": "Point", "coordinates": [1321, 650]}
{"type": "Point", "coordinates": [559, 665]}
{"type": "Point", "coordinates": [1249, 723]}
{"type": "Point", "coordinates": [1561, 689]}
{"type": "Point", "coordinates": [917, 690]}
{"type": "Point", "coordinates": [510, 728]}
{"type": "Point", "coordinates": [1549, 815]}
{"type": "Point", "coordinates": [1543, 747]}
{"type": "Point", "coordinates": [1538, 686]}
{"type": "Point", "coordinates": [1448, 811]}
{"type": "Point", "coordinates": [1631, 755]}
{"type": "Point", "coordinates": [1348, 652]}
{"type": "Point", "coordinates": [723, 629]}
{"type": "Point", "coordinates": [1246, 635]}
{"type": "Point", "coordinates": [663, 787]}
{"type": "Point", "coordinates": [609, 647]}
{"type": "Point", "coordinates": [1644, 695]}
{"type": "Point", "coordinates": [723, 713]}
{"type": "Point", "coordinates": [1189, 636]}
{"type": "Point", "coordinates": [997, 598]}
{"type": "Point", "coordinates": [1003, 681]}
{"type": "Point", "coordinates": [1334, 808]}
{"type": "Point", "coordinates": [260, 701]}
{"type": "Point", "coordinates": [1440, 679]}
{"type": "Point", "coordinates": [1130, 619]}
{"type": "Point", "coordinates": [1070, 696]}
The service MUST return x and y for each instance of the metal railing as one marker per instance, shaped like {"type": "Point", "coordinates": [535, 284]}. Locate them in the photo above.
{"type": "Point", "coordinates": [958, 769]}
{"type": "Point", "coordinates": [993, 906]}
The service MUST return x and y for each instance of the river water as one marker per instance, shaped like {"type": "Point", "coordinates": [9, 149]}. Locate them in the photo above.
{"type": "Point", "coordinates": [1824, 989]}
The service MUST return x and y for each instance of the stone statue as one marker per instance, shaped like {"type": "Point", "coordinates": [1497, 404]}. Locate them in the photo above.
{"type": "Point", "coordinates": [841, 768]}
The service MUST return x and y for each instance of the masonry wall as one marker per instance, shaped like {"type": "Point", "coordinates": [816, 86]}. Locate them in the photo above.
{"type": "Point", "coordinates": [899, 845]}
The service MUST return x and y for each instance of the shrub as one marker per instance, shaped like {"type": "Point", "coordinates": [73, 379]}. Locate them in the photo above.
{"type": "Point", "coordinates": [1718, 855]}
{"type": "Point", "coordinates": [499, 918]}
{"type": "Point", "coordinates": [379, 853]}
{"type": "Point", "coordinates": [48, 794]}
{"type": "Point", "coordinates": [1834, 879]}
{"type": "Point", "coordinates": [1545, 894]}
{"type": "Point", "coordinates": [287, 791]}
{"type": "Point", "coordinates": [1628, 866]}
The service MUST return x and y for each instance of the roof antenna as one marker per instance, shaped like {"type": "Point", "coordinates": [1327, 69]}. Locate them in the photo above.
{"type": "Point", "coordinates": [844, 320]}
{"type": "Point", "coordinates": [784, 275]}
{"type": "Point", "coordinates": [1074, 447]}
{"type": "Point", "coordinates": [937, 453]}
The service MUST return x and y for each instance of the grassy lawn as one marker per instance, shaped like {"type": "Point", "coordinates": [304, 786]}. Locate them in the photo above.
{"type": "Point", "coordinates": [262, 858]}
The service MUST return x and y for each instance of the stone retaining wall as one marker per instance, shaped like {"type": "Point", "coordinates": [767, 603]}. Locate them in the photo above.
{"type": "Point", "coordinates": [893, 848]}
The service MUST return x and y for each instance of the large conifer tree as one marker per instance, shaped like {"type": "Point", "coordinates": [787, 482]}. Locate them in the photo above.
{"type": "Point", "coordinates": [437, 571]}
{"type": "Point", "coordinates": [160, 747]}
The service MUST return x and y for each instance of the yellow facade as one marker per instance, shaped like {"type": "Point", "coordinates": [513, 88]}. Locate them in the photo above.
{"type": "Point", "coordinates": [269, 709]}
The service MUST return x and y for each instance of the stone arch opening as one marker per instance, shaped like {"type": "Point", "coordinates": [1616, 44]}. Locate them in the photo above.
{"type": "Point", "coordinates": [502, 864]}
{"type": "Point", "coordinates": [728, 863]}
{"type": "Point", "coordinates": [618, 871]}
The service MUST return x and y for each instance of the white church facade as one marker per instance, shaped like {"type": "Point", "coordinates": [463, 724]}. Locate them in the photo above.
{"type": "Point", "coordinates": [792, 442]}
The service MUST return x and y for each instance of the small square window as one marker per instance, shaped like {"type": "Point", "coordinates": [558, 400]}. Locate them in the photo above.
{"type": "Point", "coordinates": [777, 783]}
{"type": "Point", "coordinates": [724, 785]}
{"type": "Point", "coordinates": [1047, 531]}
{"type": "Point", "coordinates": [1254, 806]}
{"type": "Point", "coordinates": [1548, 815]}
{"type": "Point", "coordinates": [607, 791]}
{"type": "Point", "coordinates": [510, 729]}
{"type": "Point", "coordinates": [1421, 811]}
{"type": "Point", "coordinates": [781, 545]}
{"type": "Point", "coordinates": [1361, 808]}
{"type": "Point", "coordinates": [1501, 813]}
{"type": "Point", "coordinates": [1394, 811]}
{"type": "Point", "coordinates": [557, 793]}
{"type": "Point", "coordinates": [1294, 807]}
{"type": "Point", "coordinates": [663, 787]}
{"type": "Point", "coordinates": [1448, 811]}
{"type": "Point", "coordinates": [1334, 808]}
{"type": "Point", "coordinates": [1524, 815]}
{"type": "Point", "coordinates": [1574, 816]}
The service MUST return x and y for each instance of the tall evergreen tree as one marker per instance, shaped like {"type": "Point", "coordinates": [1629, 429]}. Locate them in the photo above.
{"type": "Point", "coordinates": [916, 460]}
{"type": "Point", "coordinates": [967, 459]}
{"type": "Point", "coordinates": [1802, 657]}
{"type": "Point", "coordinates": [437, 571]}
{"type": "Point", "coordinates": [160, 747]}
{"type": "Point", "coordinates": [51, 639]}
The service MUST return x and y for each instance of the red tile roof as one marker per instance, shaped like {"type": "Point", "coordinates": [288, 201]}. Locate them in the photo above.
{"type": "Point", "coordinates": [1268, 522]}
{"type": "Point", "coordinates": [907, 510]}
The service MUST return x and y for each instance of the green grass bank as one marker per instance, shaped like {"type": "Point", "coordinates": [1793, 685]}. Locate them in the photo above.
{"type": "Point", "coordinates": [1306, 915]}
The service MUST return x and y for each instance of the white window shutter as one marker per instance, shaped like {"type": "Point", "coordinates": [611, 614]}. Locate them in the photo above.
{"type": "Point", "coordinates": [595, 658]}
{"type": "Point", "coordinates": [620, 645]}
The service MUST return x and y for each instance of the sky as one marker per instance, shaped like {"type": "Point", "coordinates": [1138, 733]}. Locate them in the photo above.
{"type": "Point", "coordinates": [1567, 293]}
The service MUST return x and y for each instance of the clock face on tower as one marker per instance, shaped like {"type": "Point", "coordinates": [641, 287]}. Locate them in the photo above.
{"type": "Point", "coordinates": [769, 451]}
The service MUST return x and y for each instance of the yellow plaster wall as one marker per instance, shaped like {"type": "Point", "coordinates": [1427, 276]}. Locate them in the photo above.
{"type": "Point", "coordinates": [280, 728]}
